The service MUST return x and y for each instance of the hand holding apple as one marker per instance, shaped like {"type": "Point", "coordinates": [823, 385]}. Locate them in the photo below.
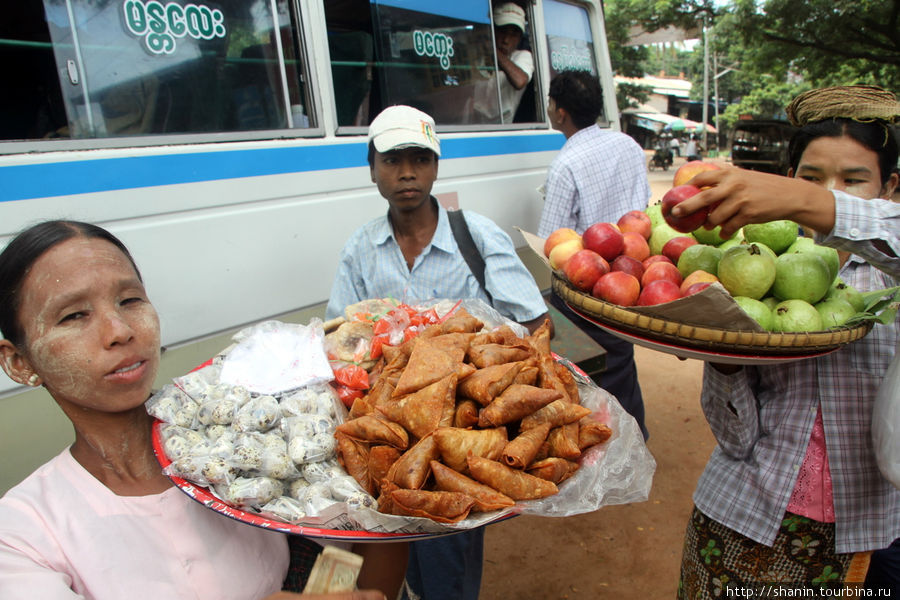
{"type": "Point", "coordinates": [682, 220]}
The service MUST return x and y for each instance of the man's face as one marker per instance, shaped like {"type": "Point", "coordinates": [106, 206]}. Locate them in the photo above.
{"type": "Point", "coordinates": [508, 38]}
{"type": "Point", "coordinates": [405, 176]}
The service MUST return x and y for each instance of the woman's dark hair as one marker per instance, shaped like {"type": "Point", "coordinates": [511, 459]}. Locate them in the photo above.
{"type": "Point", "coordinates": [21, 253]}
{"type": "Point", "coordinates": [874, 135]}
{"type": "Point", "coordinates": [580, 94]}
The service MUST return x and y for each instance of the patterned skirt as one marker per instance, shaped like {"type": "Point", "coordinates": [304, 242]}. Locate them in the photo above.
{"type": "Point", "coordinates": [304, 553]}
{"type": "Point", "coordinates": [721, 563]}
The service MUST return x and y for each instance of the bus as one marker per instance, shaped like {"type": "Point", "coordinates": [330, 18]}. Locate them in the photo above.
{"type": "Point", "coordinates": [224, 141]}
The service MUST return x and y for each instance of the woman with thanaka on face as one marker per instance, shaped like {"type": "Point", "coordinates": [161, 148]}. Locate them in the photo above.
{"type": "Point", "coordinates": [794, 482]}
{"type": "Point", "coordinates": [101, 520]}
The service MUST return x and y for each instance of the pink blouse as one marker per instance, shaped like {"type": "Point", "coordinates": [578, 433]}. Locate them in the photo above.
{"type": "Point", "coordinates": [812, 496]}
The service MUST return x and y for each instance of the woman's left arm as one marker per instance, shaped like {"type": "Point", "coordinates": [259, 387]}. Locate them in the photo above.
{"type": "Point", "coordinates": [384, 566]}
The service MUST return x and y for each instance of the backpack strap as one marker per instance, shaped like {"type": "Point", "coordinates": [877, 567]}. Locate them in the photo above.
{"type": "Point", "coordinates": [467, 247]}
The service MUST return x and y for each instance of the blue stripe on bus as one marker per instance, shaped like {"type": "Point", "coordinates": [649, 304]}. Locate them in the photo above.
{"type": "Point", "coordinates": [21, 182]}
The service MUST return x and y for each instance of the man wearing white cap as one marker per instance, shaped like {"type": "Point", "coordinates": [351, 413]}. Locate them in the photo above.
{"type": "Point", "coordinates": [516, 66]}
{"type": "Point", "coordinates": [411, 254]}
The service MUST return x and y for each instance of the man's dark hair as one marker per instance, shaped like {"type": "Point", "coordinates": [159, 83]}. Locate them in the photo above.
{"type": "Point", "coordinates": [580, 94]}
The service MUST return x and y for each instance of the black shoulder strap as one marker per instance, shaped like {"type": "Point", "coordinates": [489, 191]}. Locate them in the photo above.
{"type": "Point", "coordinates": [467, 247]}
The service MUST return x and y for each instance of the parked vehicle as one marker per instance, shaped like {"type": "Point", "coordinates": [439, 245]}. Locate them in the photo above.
{"type": "Point", "coordinates": [762, 145]}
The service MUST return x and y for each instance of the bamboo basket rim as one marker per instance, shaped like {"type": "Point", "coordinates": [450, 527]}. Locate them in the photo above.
{"type": "Point", "coordinates": [713, 339]}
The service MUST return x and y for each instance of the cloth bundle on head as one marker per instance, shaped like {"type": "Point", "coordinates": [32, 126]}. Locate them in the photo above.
{"type": "Point", "coordinates": [858, 102]}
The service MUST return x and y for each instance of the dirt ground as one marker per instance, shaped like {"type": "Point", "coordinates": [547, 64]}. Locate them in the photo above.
{"type": "Point", "coordinates": [621, 552]}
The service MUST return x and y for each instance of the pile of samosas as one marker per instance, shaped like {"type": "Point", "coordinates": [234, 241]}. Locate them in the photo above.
{"type": "Point", "coordinates": [457, 421]}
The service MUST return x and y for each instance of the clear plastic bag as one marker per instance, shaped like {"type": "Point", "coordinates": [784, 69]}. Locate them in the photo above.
{"type": "Point", "coordinates": [173, 405]}
{"type": "Point", "coordinates": [886, 423]}
{"type": "Point", "coordinates": [257, 414]}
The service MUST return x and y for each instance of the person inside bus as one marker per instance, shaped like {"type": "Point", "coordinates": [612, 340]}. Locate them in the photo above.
{"type": "Point", "coordinates": [411, 254]}
{"type": "Point", "coordinates": [516, 67]}
{"type": "Point", "coordinates": [598, 176]}
{"type": "Point", "coordinates": [795, 473]}
{"type": "Point", "coordinates": [101, 521]}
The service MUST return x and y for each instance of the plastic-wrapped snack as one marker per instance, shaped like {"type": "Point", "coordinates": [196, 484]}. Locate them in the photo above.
{"type": "Point", "coordinates": [307, 426]}
{"type": "Point", "coordinates": [311, 400]}
{"type": "Point", "coordinates": [310, 437]}
{"type": "Point", "coordinates": [253, 491]}
{"type": "Point", "coordinates": [257, 414]}
{"type": "Point", "coordinates": [172, 405]}
{"type": "Point", "coordinates": [214, 432]}
{"type": "Point", "coordinates": [297, 487]}
{"type": "Point", "coordinates": [178, 441]}
{"type": "Point", "coordinates": [217, 412]}
{"type": "Point", "coordinates": [316, 498]}
{"type": "Point", "coordinates": [344, 487]}
{"type": "Point", "coordinates": [361, 499]}
{"type": "Point", "coordinates": [323, 471]}
{"type": "Point", "coordinates": [222, 446]}
{"type": "Point", "coordinates": [203, 470]}
{"type": "Point", "coordinates": [248, 451]}
{"type": "Point", "coordinates": [277, 464]}
{"type": "Point", "coordinates": [285, 509]}
{"type": "Point", "coordinates": [197, 383]}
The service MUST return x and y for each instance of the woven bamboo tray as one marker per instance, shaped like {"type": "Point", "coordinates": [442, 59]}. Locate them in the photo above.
{"type": "Point", "coordinates": [672, 336]}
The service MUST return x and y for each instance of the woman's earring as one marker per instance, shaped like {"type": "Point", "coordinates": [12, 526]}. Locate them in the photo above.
{"type": "Point", "coordinates": [33, 380]}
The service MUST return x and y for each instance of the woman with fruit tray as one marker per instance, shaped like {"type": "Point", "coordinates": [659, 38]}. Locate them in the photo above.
{"type": "Point", "coordinates": [793, 493]}
{"type": "Point", "coordinates": [101, 520]}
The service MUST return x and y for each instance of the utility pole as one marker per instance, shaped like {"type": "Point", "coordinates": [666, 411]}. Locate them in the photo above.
{"type": "Point", "coordinates": [705, 79]}
{"type": "Point", "coordinates": [716, 96]}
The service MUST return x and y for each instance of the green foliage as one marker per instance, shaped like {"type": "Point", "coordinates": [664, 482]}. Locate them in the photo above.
{"type": "Point", "coordinates": [630, 95]}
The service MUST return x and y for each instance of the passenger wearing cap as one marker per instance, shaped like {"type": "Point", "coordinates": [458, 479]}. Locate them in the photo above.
{"type": "Point", "coordinates": [410, 254]}
{"type": "Point", "coordinates": [516, 66]}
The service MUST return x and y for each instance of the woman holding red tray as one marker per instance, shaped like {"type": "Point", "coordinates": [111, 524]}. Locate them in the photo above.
{"type": "Point", "coordinates": [101, 520]}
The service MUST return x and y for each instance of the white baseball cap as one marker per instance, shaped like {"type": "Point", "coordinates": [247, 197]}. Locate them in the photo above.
{"type": "Point", "coordinates": [509, 13]}
{"type": "Point", "coordinates": [403, 127]}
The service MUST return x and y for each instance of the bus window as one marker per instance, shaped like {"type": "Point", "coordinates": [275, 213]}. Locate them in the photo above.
{"type": "Point", "coordinates": [569, 41]}
{"type": "Point", "coordinates": [143, 67]}
{"type": "Point", "coordinates": [440, 58]}
{"type": "Point", "coordinates": [352, 50]}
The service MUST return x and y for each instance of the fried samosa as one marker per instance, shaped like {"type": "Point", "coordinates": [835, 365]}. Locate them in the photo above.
{"type": "Point", "coordinates": [559, 412]}
{"type": "Point", "coordinates": [519, 452]}
{"type": "Point", "coordinates": [376, 429]}
{"type": "Point", "coordinates": [466, 414]}
{"type": "Point", "coordinates": [422, 411]}
{"type": "Point", "coordinates": [427, 364]}
{"type": "Point", "coordinates": [486, 384]}
{"type": "Point", "coordinates": [497, 354]}
{"type": "Point", "coordinates": [353, 455]}
{"type": "Point", "coordinates": [540, 338]}
{"type": "Point", "coordinates": [591, 432]}
{"type": "Point", "coordinates": [443, 507]}
{"type": "Point", "coordinates": [516, 401]}
{"type": "Point", "coordinates": [553, 469]}
{"type": "Point", "coordinates": [411, 470]}
{"type": "Point", "coordinates": [486, 498]}
{"type": "Point", "coordinates": [518, 485]}
{"type": "Point", "coordinates": [563, 442]}
{"type": "Point", "coordinates": [455, 444]}
{"type": "Point", "coordinates": [381, 459]}
{"type": "Point", "coordinates": [528, 375]}
{"type": "Point", "coordinates": [461, 322]}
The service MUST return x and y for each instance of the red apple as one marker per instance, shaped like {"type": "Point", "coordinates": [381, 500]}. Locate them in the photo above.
{"type": "Point", "coordinates": [605, 239]}
{"type": "Point", "coordinates": [687, 171]}
{"type": "Point", "coordinates": [697, 276]}
{"type": "Point", "coordinates": [696, 287]}
{"type": "Point", "coordinates": [584, 268]}
{"type": "Point", "coordinates": [655, 258]}
{"type": "Point", "coordinates": [674, 247]}
{"type": "Point", "coordinates": [560, 235]}
{"type": "Point", "coordinates": [617, 287]}
{"type": "Point", "coordinates": [635, 245]}
{"type": "Point", "coordinates": [661, 270]}
{"type": "Point", "coordinates": [563, 251]}
{"type": "Point", "coordinates": [686, 223]}
{"type": "Point", "coordinates": [636, 221]}
{"type": "Point", "coordinates": [627, 264]}
{"type": "Point", "coordinates": [658, 292]}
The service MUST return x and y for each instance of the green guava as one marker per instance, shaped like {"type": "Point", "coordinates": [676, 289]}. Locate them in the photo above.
{"type": "Point", "coordinates": [834, 311]}
{"type": "Point", "coordinates": [654, 211]}
{"type": "Point", "coordinates": [699, 257]}
{"type": "Point", "coordinates": [757, 311]}
{"type": "Point", "coordinates": [745, 270]}
{"type": "Point", "coordinates": [796, 315]}
{"type": "Point", "coordinates": [730, 243]}
{"type": "Point", "coordinates": [839, 289]}
{"type": "Point", "coordinates": [801, 276]}
{"type": "Point", "coordinates": [829, 255]}
{"type": "Point", "coordinates": [659, 235]}
{"type": "Point", "coordinates": [711, 237]}
{"type": "Point", "coordinates": [777, 235]}
{"type": "Point", "coordinates": [770, 301]}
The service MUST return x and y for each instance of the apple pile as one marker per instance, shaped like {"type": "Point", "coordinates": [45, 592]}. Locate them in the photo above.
{"type": "Point", "coordinates": [784, 281]}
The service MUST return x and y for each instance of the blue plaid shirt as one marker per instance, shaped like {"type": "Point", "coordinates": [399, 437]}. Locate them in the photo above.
{"type": "Point", "coordinates": [762, 416]}
{"type": "Point", "coordinates": [598, 176]}
{"type": "Point", "coordinates": [372, 266]}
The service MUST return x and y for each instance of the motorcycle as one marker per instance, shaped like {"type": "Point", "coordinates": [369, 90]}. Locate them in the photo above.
{"type": "Point", "coordinates": [662, 159]}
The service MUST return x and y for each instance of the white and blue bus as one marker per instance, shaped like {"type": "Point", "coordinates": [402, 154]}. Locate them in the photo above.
{"type": "Point", "coordinates": [225, 142]}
